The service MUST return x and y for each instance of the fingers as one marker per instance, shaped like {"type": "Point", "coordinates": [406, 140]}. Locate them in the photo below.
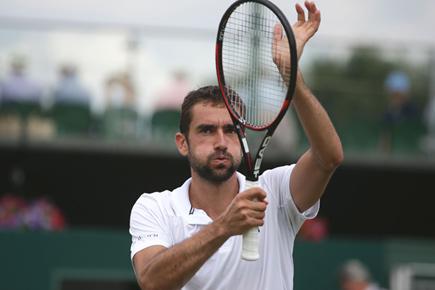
{"type": "Point", "coordinates": [247, 210]}
{"type": "Point", "coordinates": [277, 36]}
{"type": "Point", "coordinates": [253, 213]}
{"type": "Point", "coordinates": [255, 218]}
{"type": "Point", "coordinates": [311, 6]}
{"type": "Point", "coordinates": [253, 205]}
{"type": "Point", "coordinates": [305, 28]}
{"type": "Point", "coordinates": [313, 12]}
{"type": "Point", "coordinates": [256, 205]}
{"type": "Point", "coordinates": [254, 193]}
{"type": "Point", "coordinates": [277, 32]}
{"type": "Point", "coordinates": [301, 12]}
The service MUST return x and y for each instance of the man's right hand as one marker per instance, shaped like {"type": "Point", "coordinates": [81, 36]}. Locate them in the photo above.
{"type": "Point", "coordinates": [247, 210]}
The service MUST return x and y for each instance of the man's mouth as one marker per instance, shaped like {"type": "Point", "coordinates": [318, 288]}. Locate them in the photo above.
{"type": "Point", "coordinates": [221, 157]}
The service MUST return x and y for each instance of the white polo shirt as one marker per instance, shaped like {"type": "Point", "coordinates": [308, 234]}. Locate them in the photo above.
{"type": "Point", "coordinates": [166, 218]}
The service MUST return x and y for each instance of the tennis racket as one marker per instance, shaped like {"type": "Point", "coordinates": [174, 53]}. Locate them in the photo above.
{"type": "Point", "coordinates": [256, 65]}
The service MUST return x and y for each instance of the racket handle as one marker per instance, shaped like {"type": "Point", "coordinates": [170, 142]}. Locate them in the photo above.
{"type": "Point", "coordinates": [250, 243]}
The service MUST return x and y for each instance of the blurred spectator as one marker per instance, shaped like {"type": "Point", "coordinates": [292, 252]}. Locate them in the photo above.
{"type": "Point", "coordinates": [172, 96]}
{"type": "Point", "coordinates": [70, 112]}
{"type": "Point", "coordinates": [400, 116]}
{"type": "Point", "coordinates": [39, 214]}
{"type": "Point", "coordinates": [69, 88]}
{"type": "Point", "coordinates": [20, 101]}
{"type": "Point", "coordinates": [355, 276]}
{"type": "Point", "coordinates": [11, 207]}
{"type": "Point", "coordinates": [314, 230]}
{"type": "Point", "coordinates": [430, 116]}
{"type": "Point", "coordinates": [120, 119]}
{"type": "Point", "coordinates": [18, 87]}
{"type": "Point", "coordinates": [400, 104]}
{"type": "Point", "coordinates": [120, 92]}
{"type": "Point", "coordinates": [429, 140]}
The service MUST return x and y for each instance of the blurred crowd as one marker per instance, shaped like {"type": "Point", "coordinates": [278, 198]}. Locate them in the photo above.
{"type": "Point", "coordinates": [36, 214]}
{"type": "Point", "coordinates": [28, 110]}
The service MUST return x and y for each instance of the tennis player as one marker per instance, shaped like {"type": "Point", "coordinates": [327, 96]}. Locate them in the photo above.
{"type": "Point", "coordinates": [190, 237]}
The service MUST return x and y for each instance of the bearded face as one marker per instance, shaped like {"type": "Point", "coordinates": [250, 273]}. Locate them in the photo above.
{"type": "Point", "coordinates": [217, 167]}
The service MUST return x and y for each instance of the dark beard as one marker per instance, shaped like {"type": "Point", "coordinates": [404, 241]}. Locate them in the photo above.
{"type": "Point", "coordinates": [208, 173]}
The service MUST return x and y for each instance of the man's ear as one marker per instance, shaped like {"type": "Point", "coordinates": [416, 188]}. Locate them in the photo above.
{"type": "Point", "coordinates": [182, 144]}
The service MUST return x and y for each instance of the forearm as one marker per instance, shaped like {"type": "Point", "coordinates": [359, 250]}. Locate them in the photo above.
{"type": "Point", "coordinates": [174, 267]}
{"type": "Point", "coordinates": [322, 136]}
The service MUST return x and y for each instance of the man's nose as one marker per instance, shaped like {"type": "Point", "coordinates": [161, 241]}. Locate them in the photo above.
{"type": "Point", "coordinates": [221, 139]}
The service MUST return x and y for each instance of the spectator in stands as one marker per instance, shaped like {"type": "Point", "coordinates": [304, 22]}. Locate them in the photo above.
{"type": "Point", "coordinates": [400, 104]}
{"type": "Point", "coordinates": [429, 140]}
{"type": "Point", "coordinates": [18, 87]}
{"type": "Point", "coordinates": [1, 91]}
{"type": "Point", "coordinates": [69, 88]}
{"type": "Point", "coordinates": [355, 276]}
{"type": "Point", "coordinates": [430, 116]}
{"type": "Point", "coordinates": [20, 101]}
{"type": "Point", "coordinates": [120, 119]}
{"type": "Point", "coordinates": [401, 110]}
{"type": "Point", "coordinates": [314, 230]}
{"type": "Point", "coordinates": [70, 112]}
{"type": "Point", "coordinates": [120, 92]}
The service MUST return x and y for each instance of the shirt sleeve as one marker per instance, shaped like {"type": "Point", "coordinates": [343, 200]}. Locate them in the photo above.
{"type": "Point", "coordinates": [278, 181]}
{"type": "Point", "coordinates": [148, 225]}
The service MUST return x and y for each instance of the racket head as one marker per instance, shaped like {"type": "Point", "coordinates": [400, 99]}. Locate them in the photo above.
{"type": "Point", "coordinates": [255, 93]}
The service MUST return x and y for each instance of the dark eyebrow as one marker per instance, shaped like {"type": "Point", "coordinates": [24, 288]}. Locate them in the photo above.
{"type": "Point", "coordinates": [229, 127]}
{"type": "Point", "coordinates": [202, 127]}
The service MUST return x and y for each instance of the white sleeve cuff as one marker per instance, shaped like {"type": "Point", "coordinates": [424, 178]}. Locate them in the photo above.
{"type": "Point", "coordinates": [139, 246]}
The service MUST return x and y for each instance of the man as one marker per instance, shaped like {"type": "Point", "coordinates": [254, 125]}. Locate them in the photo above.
{"type": "Point", "coordinates": [69, 89]}
{"type": "Point", "coordinates": [355, 276]}
{"type": "Point", "coordinates": [18, 87]}
{"type": "Point", "coordinates": [190, 238]}
{"type": "Point", "coordinates": [402, 126]}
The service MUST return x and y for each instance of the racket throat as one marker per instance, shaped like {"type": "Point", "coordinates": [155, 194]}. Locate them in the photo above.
{"type": "Point", "coordinates": [254, 167]}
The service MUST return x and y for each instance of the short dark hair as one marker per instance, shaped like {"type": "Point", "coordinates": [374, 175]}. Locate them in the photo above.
{"type": "Point", "coordinates": [208, 94]}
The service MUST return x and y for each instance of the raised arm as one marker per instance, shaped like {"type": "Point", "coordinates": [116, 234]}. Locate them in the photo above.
{"type": "Point", "coordinates": [316, 166]}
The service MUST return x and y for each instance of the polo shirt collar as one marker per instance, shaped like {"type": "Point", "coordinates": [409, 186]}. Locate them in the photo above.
{"type": "Point", "coordinates": [182, 206]}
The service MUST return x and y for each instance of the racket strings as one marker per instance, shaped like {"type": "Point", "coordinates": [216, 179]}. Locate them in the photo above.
{"type": "Point", "coordinates": [258, 89]}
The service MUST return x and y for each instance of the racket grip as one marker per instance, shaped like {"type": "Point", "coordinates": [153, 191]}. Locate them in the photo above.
{"type": "Point", "coordinates": [250, 242]}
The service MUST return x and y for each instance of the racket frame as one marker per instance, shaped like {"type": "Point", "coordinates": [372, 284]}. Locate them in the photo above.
{"type": "Point", "coordinates": [253, 168]}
